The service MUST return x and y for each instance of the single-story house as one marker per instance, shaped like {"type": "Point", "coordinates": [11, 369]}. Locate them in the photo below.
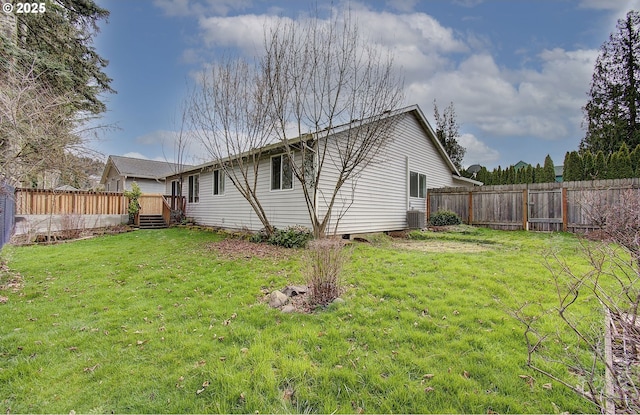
{"type": "Point", "coordinates": [120, 172]}
{"type": "Point", "coordinates": [381, 199]}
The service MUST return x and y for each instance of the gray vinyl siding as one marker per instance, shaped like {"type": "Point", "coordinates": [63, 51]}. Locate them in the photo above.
{"type": "Point", "coordinates": [381, 196]}
{"type": "Point", "coordinates": [149, 186]}
{"type": "Point", "coordinates": [231, 210]}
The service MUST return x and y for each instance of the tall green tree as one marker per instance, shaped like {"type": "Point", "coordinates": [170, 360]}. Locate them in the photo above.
{"type": "Point", "coordinates": [448, 133]}
{"type": "Point", "coordinates": [600, 166]}
{"type": "Point", "coordinates": [60, 43]}
{"type": "Point", "coordinates": [573, 167]}
{"type": "Point", "coordinates": [51, 81]}
{"type": "Point", "coordinates": [549, 171]}
{"type": "Point", "coordinates": [635, 160]}
{"type": "Point", "coordinates": [625, 170]}
{"type": "Point", "coordinates": [612, 110]}
{"type": "Point", "coordinates": [588, 166]}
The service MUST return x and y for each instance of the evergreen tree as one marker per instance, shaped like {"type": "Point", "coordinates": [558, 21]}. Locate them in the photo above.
{"type": "Point", "coordinates": [60, 43]}
{"type": "Point", "coordinates": [549, 174]}
{"type": "Point", "coordinates": [538, 174]}
{"type": "Point", "coordinates": [573, 168]}
{"type": "Point", "coordinates": [483, 176]}
{"type": "Point", "coordinates": [624, 163]}
{"type": "Point", "coordinates": [510, 175]}
{"type": "Point", "coordinates": [566, 168]}
{"type": "Point", "coordinates": [588, 166]}
{"type": "Point", "coordinates": [600, 166]}
{"type": "Point", "coordinates": [498, 176]}
{"type": "Point", "coordinates": [448, 133]}
{"type": "Point", "coordinates": [635, 160]}
{"type": "Point", "coordinates": [612, 109]}
{"type": "Point", "coordinates": [528, 178]}
{"type": "Point", "coordinates": [613, 166]}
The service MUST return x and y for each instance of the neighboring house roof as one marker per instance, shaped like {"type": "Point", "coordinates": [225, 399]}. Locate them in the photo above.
{"type": "Point", "coordinates": [519, 165]}
{"type": "Point", "coordinates": [138, 168]}
{"type": "Point", "coordinates": [415, 109]}
{"type": "Point", "coordinates": [474, 168]}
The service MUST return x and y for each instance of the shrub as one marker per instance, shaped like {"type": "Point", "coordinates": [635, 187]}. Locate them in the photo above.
{"type": "Point", "coordinates": [291, 237]}
{"type": "Point", "coordinates": [444, 218]}
{"type": "Point", "coordinates": [326, 257]}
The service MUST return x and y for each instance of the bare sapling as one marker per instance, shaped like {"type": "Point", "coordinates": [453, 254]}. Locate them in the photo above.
{"type": "Point", "coordinates": [589, 340]}
{"type": "Point", "coordinates": [326, 258]}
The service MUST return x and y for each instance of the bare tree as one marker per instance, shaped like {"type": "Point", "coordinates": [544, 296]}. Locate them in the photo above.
{"type": "Point", "coordinates": [36, 127]}
{"type": "Point", "coordinates": [595, 353]}
{"type": "Point", "coordinates": [229, 114]}
{"type": "Point", "coordinates": [181, 145]}
{"type": "Point", "coordinates": [331, 98]}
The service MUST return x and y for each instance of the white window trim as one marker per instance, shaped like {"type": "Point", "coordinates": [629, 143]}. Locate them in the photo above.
{"type": "Point", "coordinates": [189, 196]}
{"type": "Point", "coordinates": [425, 185]}
{"type": "Point", "coordinates": [271, 175]}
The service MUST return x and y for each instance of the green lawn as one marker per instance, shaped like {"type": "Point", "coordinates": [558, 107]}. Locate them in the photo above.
{"type": "Point", "coordinates": [155, 321]}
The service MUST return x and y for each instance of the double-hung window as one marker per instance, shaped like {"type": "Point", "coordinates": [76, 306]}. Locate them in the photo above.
{"type": "Point", "coordinates": [218, 182]}
{"type": "Point", "coordinates": [281, 174]}
{"type": "Point", "coordinates": [417, 185]}
{"type": "Point", "coordinates": [194, 188]}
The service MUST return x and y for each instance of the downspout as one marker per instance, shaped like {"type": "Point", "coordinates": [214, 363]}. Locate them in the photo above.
{"type": "Point", "coordinates": [406, 183]}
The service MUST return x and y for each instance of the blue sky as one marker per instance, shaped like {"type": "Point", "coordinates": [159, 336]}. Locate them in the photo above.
{"type": "Point", "coordinates": [517, 72]}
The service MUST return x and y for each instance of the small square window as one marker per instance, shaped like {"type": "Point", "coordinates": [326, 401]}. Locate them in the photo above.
{"type": "Point", "coordinates": [417, 185]}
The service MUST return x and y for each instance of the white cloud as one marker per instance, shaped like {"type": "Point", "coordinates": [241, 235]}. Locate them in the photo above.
{"type": "Point", "coordinates": [477, 151]}
{"type": "Point", "coordinates": [543, 103]}
{"type": "Point", "coordinates": [245, 32]}
{"type": "Point", "coordinates": [542, 99]}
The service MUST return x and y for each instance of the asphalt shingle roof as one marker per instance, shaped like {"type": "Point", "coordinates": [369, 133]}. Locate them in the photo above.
{"type": "Point", "coordinates": [148, 169]}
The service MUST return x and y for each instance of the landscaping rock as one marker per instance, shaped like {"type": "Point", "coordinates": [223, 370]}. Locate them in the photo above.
{"type": "Point", "coordinates": [278, 299]}
{"type": "Point", "coordinates": [293, 290]}
{"type": "Point", "coordinates": [288, 309]}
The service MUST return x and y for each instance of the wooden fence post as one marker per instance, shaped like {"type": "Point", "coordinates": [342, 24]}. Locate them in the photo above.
{"type": "Point", "coordinates": [525, 210]}
{"type": "Point", "coordinates": [470, 208]}
{"type": "Point", "coordinates": [565, 214]}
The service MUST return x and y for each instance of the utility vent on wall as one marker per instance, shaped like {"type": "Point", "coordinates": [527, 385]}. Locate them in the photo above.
{"type": "Point", "coordinates": [415, 219]}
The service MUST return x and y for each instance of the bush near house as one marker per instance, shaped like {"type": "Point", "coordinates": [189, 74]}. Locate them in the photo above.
{"type": "Point", "coordinates": [444, 218]}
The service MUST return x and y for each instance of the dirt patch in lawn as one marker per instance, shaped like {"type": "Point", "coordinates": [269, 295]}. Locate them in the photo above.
{"type": "Point", "coordinates": [232, 248]}
{"type": "Point", "coordinates": [442, 246]}
{"type": "Point", "coordinates": [10, 281]}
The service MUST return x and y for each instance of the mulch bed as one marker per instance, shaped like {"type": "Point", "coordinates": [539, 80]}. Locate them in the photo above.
{"type": "Point", "coordinates": [232, 248]}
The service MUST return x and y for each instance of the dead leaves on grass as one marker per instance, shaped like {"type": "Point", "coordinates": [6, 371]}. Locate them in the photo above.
{"type": "Point", "coordinates": [232, 248]}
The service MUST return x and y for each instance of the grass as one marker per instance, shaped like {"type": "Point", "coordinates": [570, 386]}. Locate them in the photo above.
{"type": "Point", "coordinates": [153, 321]}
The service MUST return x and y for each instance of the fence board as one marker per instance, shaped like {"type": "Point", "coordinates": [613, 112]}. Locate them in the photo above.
{"type": "Point", "coordinates": [46, 202]}
{"type": "Point", "coordinates": [537, 207]}
{"type": "Point", "coordinates": [151, 204]}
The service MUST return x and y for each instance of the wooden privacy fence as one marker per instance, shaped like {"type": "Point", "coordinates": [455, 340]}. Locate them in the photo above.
{"type": "Point", "coordinates": [537, 207]}
{"type": "Point", "coordinates": [52, 202]}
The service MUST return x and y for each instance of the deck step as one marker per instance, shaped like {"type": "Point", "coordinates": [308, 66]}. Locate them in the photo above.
{"type": "Point", "coordinates": [152, 222]}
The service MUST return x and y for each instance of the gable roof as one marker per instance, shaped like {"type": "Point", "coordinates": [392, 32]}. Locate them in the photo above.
{"type": "Point", "coordinates": [415, 109]}
{"type": "Point", "coordinates": [139, 168]}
